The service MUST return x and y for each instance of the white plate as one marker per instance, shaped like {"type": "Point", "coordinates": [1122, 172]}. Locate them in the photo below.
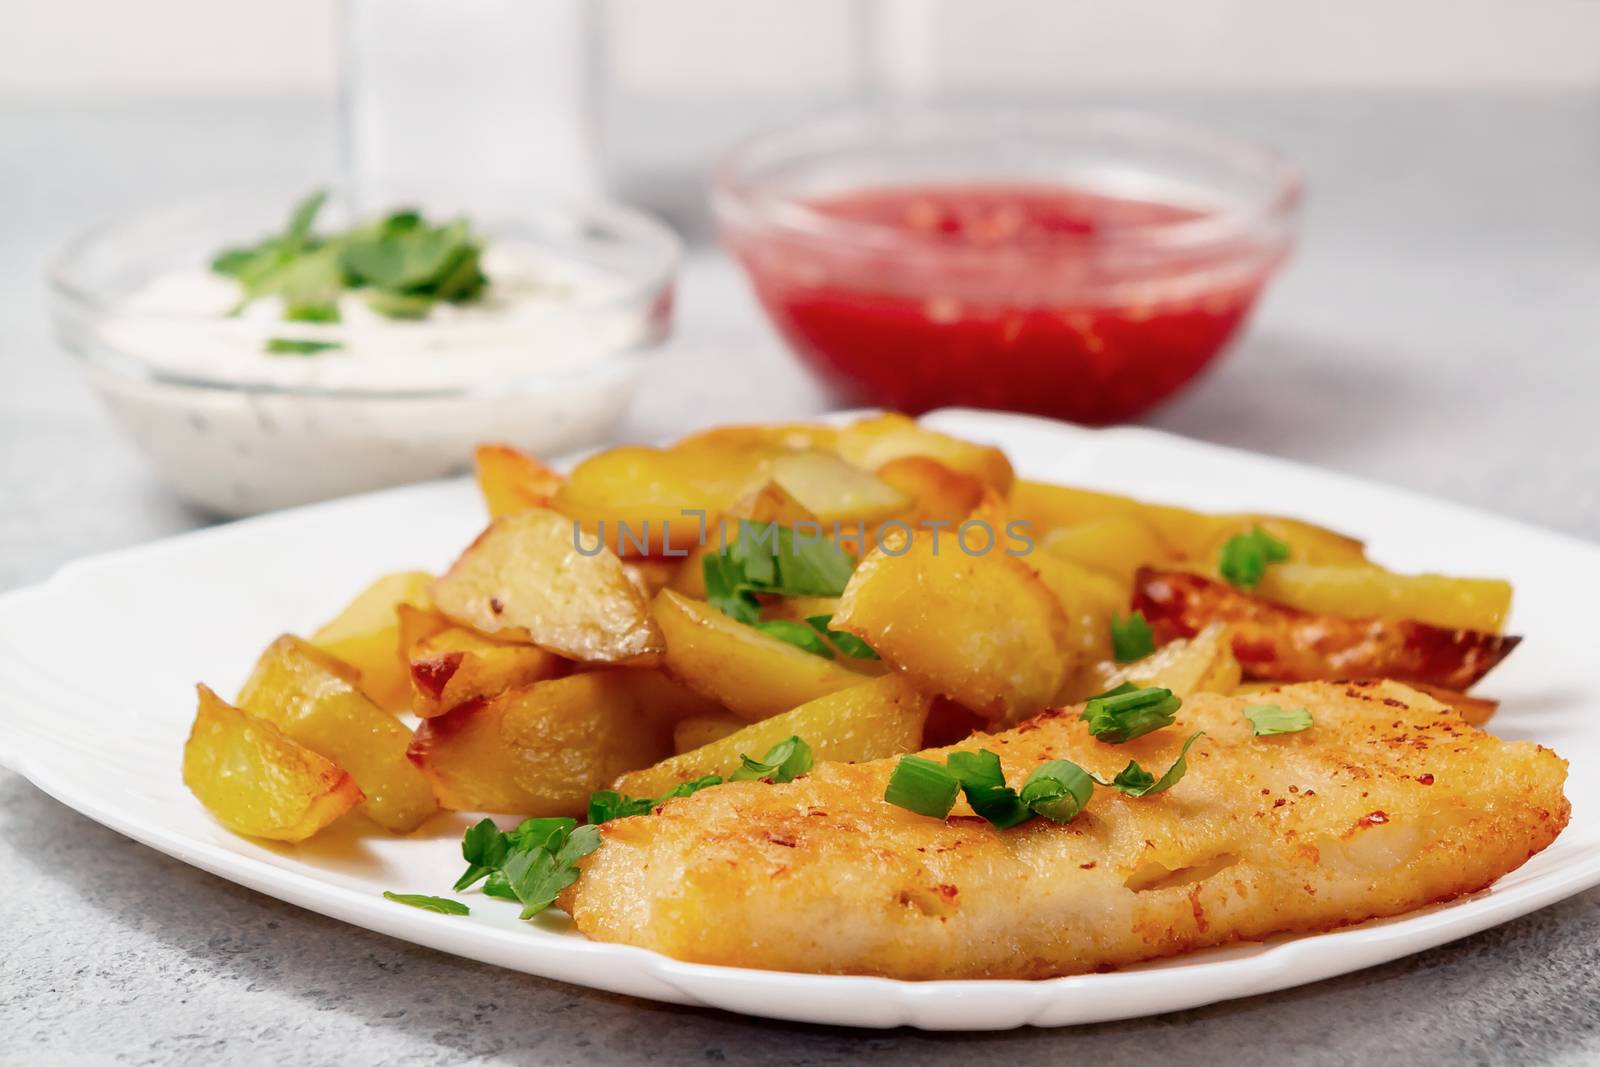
{"type": "Point", "coordinates": [99, 665]}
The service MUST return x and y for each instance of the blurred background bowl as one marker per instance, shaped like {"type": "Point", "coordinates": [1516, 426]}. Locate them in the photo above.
{"type": "Point", "coordinates": [1081, 264]}
{"type": "Point", "coordinates": [237, 432]}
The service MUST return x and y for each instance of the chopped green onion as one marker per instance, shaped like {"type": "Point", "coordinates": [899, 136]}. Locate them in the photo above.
{"type": "Point", "coordinates": [1244, 557]}
{"type": "Point", "coordinates": [923, 786]}
{"type": "Point", "coordinates": [441, 905]}
{"type": "Point", "coordinates": [1123, 715]}
{"type": "Point", "coordinates": [765, 558]}
{"type": "Point", "coordinates": [1269, 719]}
{"type": "Point", "coordinates": [1058, 790]}
{"type": "Point", "coordinates": [984, 783]}
{"type": "Point", "coordinates": [1131, 637]}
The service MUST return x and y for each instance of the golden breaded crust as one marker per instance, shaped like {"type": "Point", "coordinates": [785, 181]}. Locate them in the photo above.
{"type": "Point", "coordinates": [1389, 802]}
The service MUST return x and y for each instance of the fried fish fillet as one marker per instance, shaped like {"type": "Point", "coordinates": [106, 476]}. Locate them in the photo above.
{"type": "Point", "coordinates": [1389, 802]}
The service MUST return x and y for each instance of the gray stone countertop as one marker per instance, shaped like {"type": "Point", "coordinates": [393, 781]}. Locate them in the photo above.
{"type": "Point", "coordinates": [1440, 330]}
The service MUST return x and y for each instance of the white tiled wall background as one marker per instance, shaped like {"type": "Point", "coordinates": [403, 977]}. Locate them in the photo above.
{"type": "Point", "coordinates": [785, 47]}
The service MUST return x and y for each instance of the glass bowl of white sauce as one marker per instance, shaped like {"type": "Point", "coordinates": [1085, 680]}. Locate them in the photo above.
{"type": "Point", "coordinates": [546, 358]}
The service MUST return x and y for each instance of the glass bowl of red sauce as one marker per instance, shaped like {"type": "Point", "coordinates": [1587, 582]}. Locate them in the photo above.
{"type": "Point", "coordinates": [1080, 264]}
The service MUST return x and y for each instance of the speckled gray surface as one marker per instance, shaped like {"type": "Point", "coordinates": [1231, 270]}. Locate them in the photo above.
{"type": "Point", "coordinates": [1440, 330]}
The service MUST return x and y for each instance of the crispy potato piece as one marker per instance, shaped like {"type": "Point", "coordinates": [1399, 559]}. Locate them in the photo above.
{"type": "Point", "coordinates": [664, 700]}
{"type": "Point", "coordinates": [835, 491]}
{"type": "Point", "coordinates": [524, 578]}
{"type": "Point", "coordinates": [416, 625]}
{"type": "Point", "coordinates": [1472, 709]}
{"type": "Point", "coordinates": [541, 749]}
{"type": "Point", "coordinates": [800, 608]}
{"type": "Point", "coordinates": [1285, 644]}
{"type": "Point", "coordinates": [1117, 545]}
{"type": "Point", "coordinates": [366, 635]}
{"type": "Point", "coordinates": [467, 761]}
{"type": "Point", "coordinates": [869, 721]}
{"type": "Point", "coordinates": [459, 666]}
{"type": "Point", "coordinates": [574, 735]}
{"type": "Point", "coordinates": [647, 490]}
{"type": "Point", "coordinates": [513, 481]}
{"type": "Point", "coordinates": [778, 436]}
{"type": "Point", "coordinates": [752, 675]}
{"type": "Point", "coordinates": [980, 629]}
{"type": "Point", "coordinates": [1189, 534]}
{"type": "Point", "coordinates": [768, 503]}
{"type": "Point", "coordinates": [874, 441]}
{"type": "Point", "coordinates": [650, 576]}
{"type": "Point", "coordinates": [704, 729]}
{"type": "Point", "coordinates": [1371, 592]}
{"type": "Point", "coordinates": [1204, 663]}
{"type": "Point", "coordinates": [313, 699]}
{"type": "Point", "coordinates": [257, 781]}
{"type": "Point", "coordinates": [1088, 597]}
{"type": "Point", "coordinates": [937, 493]}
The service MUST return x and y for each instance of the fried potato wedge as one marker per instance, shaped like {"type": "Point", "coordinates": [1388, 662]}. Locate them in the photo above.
{"type": "Point", "coordinates": [258, 782]}
{"type": "Point", "coordinates": [541, 749]}
{"type": "Point", "coordinates": [937, 493]}
{"type": "Point", "coordinates": [414, 625]}
{"type": "Point", "coordinates": [459, 666]}
{"type": "Point", "coordinates": [1189, 534]}
{"type": "Point", "coordinates": [526, 579]}
{"type": "Point", "coordinates": [513, 481]}
{"type": "Point", "coordinates": [468, 763]}
{"type": "Point", "coordinates": [1088, 597]}
{"type": "Point", "coordinates": [366, 635]}
{"type": "Point", "coordinates": [752, 675]}
{"type": "Point", "coordinates": [1117, 545]}
{"type": "Point", "coordinates": [704, 729]}
{"type": "Point", "coordinates": [313, 698]}
{"type": "Point", "coordinates": [634, 499]}
{"type": "Point", "coordinates": [1285, 644]}
{"type": "Point", "coordinates": [835, 491]}
{"type": "Point", "coordinates": [865, 722]}
{"type": "Point", "coordinates": [875, 441]}
{"type": "Point", "coordinates": [1371, 592]}
{"type": "Point", "coordinates": [1204, 663]}
{"type": "Point", "coordinates": [980, 629]}
{"type": "Point", "coordinates": [771, 437]}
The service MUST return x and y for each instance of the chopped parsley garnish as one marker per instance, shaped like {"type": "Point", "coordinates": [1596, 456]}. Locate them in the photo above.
{"type": "Point", "coordinates": [796, 633]}
{"type": "Point", "coordinates": [784, 762]}
{"type": "Point", "coordinates": [1058, 790]}
{"type": "Point", "coordinates": [524, 864]}
{"type": "Point", "coordinates": [1245, 556]}
{"type": "Point", "coordinates": [286, 346]}
{"type": "Point", "coordinates": [1135, 781]}
{"type": "Point", "coordinates": [1269, 719]}
{"type": "Point", "coordinates": [442, 905]}
{"type": "Point", "coordinates": [1131, 637]}
{"type": "Point", "coordinates": [403, 263]}
{"type": "Point", "coordinates": [1125, 713]}
{"type": "Point", "coordinates": [848, 643]}
{"type": "Point", "coordinates": [484, 848]}
{"type": "Point", "coordinates": [538, 875]}
{"type": "Point", "coordinates": [765, 558]}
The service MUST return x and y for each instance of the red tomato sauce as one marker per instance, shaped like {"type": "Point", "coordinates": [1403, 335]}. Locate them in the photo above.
{"type": "Point", "coordinates": [1042, 299]}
